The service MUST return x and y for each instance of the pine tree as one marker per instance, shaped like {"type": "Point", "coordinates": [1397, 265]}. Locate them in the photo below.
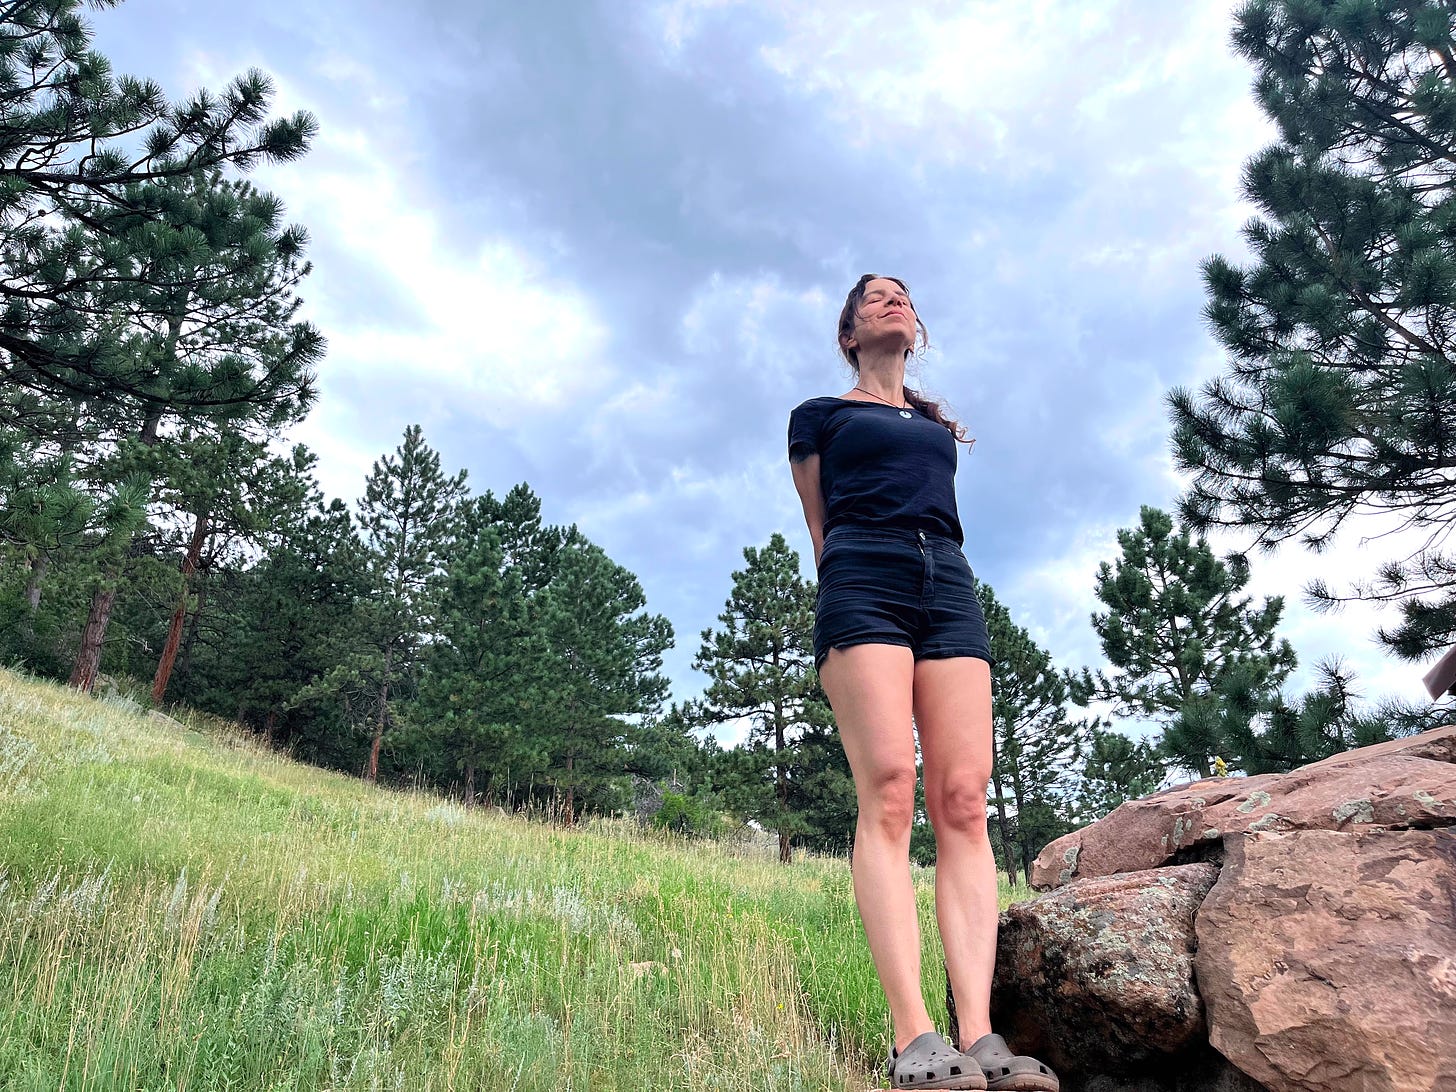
{"type": "Point", "coordinates": [214, 341]}
{"type": "Point", "coordinates": [1117, 769]}
{"type": "Point", "coordinates": [43, 516]}
{"type": "Point", "coordinates": [408, 517]}
{"type": "Point", "coordinates": [1340, 392]}
{"type": "Point", "coordinates": [761, 667]}
{"type": "Point", "coordinates": [605, 655]}
{"type": "Point", "coordinates": [1035, 741]}
{"type": "Point", "coordinates": [94, 171]}
{"type": "Point", "coordinates": [1189, 652]}
{"type": "Point", "coordinates": [1262, 733]}
{"type": "Point", "coordinates": [667, 748]}
{"type": "Point", "coordinates": [100, 565]}
{"type": "Point", "coordinates": [284, 663]}
{"type": "Point", "coordinates": [1176, 629]}
{"type": "Point", "coordinates": [225, 494]}
{"type": "Point", "coordinates": [139, 285]}
{"type": "Point", "coordinates": [278, 626]}
{"type": "Point", "coordinates": [821, 789]}
{"type": "Point", "coordinates": [532, 549]}
{"type": "Point", "coordinates": [487, 684]}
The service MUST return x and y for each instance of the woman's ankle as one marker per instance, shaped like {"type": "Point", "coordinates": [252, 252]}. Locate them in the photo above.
{"type": "Point", "coordinates": [901, 1042]}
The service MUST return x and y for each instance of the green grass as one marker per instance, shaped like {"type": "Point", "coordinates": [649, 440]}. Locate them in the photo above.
{"type": "Point", "coordinates": [182, 909]}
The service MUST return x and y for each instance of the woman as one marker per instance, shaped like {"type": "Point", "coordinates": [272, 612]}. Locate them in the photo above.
{"type": "Point", "coordinates": [898, 632]}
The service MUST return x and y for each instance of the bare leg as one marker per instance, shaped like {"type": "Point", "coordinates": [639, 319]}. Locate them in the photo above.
{"type": "Point", "coordinates": [869, 689]}
{"type": "Point", "coordinates": [952, 701]}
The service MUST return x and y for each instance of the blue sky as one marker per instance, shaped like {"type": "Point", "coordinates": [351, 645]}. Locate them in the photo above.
{"type": "Point", "coordinates": [601, 248]}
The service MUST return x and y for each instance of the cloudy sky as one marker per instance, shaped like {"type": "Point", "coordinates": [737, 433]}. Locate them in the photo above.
{"type": "Point", "coordinates": [601, 248]}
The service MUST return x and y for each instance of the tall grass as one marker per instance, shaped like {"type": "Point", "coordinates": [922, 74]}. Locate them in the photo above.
{"type": "Point", "coordinates": [182, 909]}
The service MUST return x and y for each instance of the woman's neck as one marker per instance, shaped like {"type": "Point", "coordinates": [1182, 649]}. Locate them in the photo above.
{"type": "Point", "coordinates": [883, 376]}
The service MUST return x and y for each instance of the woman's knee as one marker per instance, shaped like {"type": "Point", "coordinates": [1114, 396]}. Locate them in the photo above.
{"type": "Point", "coordinates": [887, 798]}
{"type": "Point", "coordinates": [958, 806]}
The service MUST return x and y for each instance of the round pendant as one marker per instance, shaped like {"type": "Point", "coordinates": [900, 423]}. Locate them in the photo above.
{"type": "Point", "coordinates": [906, 414]}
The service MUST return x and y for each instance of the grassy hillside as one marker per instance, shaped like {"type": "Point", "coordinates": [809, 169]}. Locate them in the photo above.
{"type": "Point", "coordinates": [182, 909]}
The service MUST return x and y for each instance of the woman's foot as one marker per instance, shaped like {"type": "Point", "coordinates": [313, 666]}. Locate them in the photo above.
{"type": "Point", "coordinates": [1007, 1072]}
{"type": "Point", "coordinates": [930, 1062]}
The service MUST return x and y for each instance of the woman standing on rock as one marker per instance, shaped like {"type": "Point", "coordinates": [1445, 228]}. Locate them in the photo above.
{"type": "Point", "coordinates": [898, 632]}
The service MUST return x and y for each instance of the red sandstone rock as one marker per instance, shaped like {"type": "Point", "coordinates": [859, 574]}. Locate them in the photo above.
{"type": "Point", "coordinates": [1406, 783]}
{"type": "Point", "coordinates": [1140, 833]}
{"type": "Point", "coordinates": [1327, 959]}
{"type": "Point", "coordinates": [1097, 977]}
{"type": "Point", "coordinates": [1438, 744]}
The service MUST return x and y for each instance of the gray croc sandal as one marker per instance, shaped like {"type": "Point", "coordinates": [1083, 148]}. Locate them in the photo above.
{"type": "Point", "coordinates": [930, 1062]}
{"type": "Point", "coordinates": [1007, 1072]}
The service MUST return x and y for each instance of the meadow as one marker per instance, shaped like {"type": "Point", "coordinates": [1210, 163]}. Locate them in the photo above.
{"type": "Point", "coordinates": [181, 908]}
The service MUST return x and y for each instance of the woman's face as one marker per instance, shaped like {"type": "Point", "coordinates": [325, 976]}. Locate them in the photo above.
{"type": "Point", "coordinates": [885, 319]}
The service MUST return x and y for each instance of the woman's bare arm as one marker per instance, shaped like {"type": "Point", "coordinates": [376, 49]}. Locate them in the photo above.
{"type": "Point", "coordinates": [806, 481]}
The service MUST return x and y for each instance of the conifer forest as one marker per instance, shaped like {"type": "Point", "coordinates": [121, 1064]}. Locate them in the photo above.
{"type": "Point", "coordinates": [165, 539]}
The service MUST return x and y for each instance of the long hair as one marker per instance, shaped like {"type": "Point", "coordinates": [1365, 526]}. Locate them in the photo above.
{"type": "Point", "coordinates": [932, 408]}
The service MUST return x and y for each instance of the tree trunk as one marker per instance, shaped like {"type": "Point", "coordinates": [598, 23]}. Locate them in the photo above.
{"type": "Point", "coordinates": [38, 565]}
{"type": "Point", "coordinates": [1005, 826]}
{"type": "Point", "coordinates": [378, 741]}
{"type": "Point", "coordinates": [781, 789]}
{"type": "Point", "coordinates": [152, 425]}
{"type": "Point", "coordinates": [1023, 843]}
{"type": "Point", "coordinates": [88, 656]}
{"type": "Point", "coordinates": [570, 790]}
{"type": "Point", "coordinates": [174, 630]}
{"type": "Point", "coordinates": [470, 784]}
{"type": "Point", "coordinates": [270, 723]}
{"type": "Point", "coordinates": [189, 640]}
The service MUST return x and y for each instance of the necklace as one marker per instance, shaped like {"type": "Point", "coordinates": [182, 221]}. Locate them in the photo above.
{"type": "Point", "coordinates": [903, 411]}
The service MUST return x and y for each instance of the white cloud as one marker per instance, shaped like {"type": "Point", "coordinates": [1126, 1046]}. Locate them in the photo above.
{"type": "Point", "coordinates": [963, 81]}
{"type": "Point", "coordinates": [705, 513]}
{"type": "Point", "coordinates": [679, 21]}
{"type": "Point", "coordinates": [1054, 598]}
{"type": "Point", "coordinates": [976, 62]}
{"type": "Point", "coordinates": [427, 317]}
{"type": "Point", "coordinates": [481, 317]}
{"type": "Point", "coordinates": [744, 324]}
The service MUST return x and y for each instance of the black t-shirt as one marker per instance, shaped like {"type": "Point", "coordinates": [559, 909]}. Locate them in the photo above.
{"type": "Point", "coordinates": [879, 466]}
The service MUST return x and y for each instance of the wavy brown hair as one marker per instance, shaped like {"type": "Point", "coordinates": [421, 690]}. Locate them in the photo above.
{"type": "Point", "coordinates": [933, 409]}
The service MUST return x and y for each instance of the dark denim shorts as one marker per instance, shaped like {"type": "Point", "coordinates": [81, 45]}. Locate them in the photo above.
{"type": "Point", "coordinates": [892, 587]}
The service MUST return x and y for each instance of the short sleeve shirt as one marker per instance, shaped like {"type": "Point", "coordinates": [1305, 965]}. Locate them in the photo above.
{"type": "Point", "coordinates": [879, 466]}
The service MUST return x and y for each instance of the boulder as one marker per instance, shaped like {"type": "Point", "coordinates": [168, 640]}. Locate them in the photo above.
{"type": "Point", "coordinates": [1140, 833]}
{"type": "Point", "coordinates": [1322, 958]}
{"type": "Point", "coordinates": [1207, 1072]}
{"type": "Point", "coordinates": [1403, 784]}
{"type": "Point", "coordinates": [1327, 959]}
{"type": "Point", "coordinates": [1098, 976]}
{"type": "Point", "coordinates": [1438, 744]}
